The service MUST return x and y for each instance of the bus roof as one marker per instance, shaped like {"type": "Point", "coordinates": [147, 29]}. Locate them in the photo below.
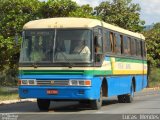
{"type": "Point", "coordinates": [71, 22]}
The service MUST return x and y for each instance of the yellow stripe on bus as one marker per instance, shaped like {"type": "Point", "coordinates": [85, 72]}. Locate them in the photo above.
{"type": "Point", "coordinates": [129, 72]}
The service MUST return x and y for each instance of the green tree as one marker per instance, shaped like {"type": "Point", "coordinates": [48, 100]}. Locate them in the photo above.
{"type": "Point", "coordinates": [122, 13]}
{"type": "Point", "coordinates": [85, 11]}
{"type": "Point", "coordinates": [8, 60]}
{"type": "Point", "coordinates": [153, 44]}
{"type": "Point", "coordinates": [15, 13]}
{"type": "Point", "coordinates": [6, 46]}
{"type": "Point", "coordinates": [57, 8]}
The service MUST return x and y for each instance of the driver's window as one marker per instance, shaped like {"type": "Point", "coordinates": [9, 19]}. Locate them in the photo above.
{"type": "Point", "coordinates": [98, 42]}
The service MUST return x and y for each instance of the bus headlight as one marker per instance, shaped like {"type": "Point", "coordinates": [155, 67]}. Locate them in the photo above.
{"type": "Point", "coordinates": [80, 82]}
{"type": "Point", "coordinates": [24, 82]}
{"type": "Point", "coordinates": [31, 82]}
{"type": "Point", "coordinates": [28, 82]}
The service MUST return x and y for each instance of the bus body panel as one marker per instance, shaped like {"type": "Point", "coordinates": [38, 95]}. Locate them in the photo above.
{"type": "Point", "coordinates": [141, 82]}
{"type": "Point", "coordinates": [117, 72]}
{"type": "Point", "coordinates": [64, 92]}
{"type": "Point", "coordinates": [119, 85]}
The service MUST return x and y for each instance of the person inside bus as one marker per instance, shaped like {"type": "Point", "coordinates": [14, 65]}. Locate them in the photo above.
{"type": "Point", "coordinates": [98, 49]}
{"type": "Point", "coordinates": [81, 47]}
{"type": "Point", "coordinates": [37, 52]}
{"type": "Point", "coordinates": [98, 44]}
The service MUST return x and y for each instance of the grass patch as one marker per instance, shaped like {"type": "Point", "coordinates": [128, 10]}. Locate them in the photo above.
{"type": "Point", "coordinates": [154, 77]}
{"type": "Point", "coordinates": [8, 95]}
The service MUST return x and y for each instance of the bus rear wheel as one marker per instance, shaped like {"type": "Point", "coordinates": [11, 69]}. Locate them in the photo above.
{"type": "Point", "coordinates": [43, 104]}
{"type": "Point", "coordinates": [84, 101]}
{"type": "Point", "coordinates": [127, 98]}
{"type": "Point", "coordinates": [96, 104]}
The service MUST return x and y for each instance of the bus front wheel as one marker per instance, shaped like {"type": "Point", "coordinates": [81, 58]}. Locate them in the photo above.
{"type": "Point", "coordinates": [43, 104]}
{"type": "Point", "coordinates": [96, 104]}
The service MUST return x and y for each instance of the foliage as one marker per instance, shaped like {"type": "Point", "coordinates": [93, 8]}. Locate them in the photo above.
{"type": "Point", "coordinates": [9, 52]}
{"type": "Point", "coordinates": [57, 8]}
{"type": "Point", "coordinates": [84, 11]}
{"type": "Point", "coordinates": [8, 76]}
{"type": "Point", "coordinates": [154, 76]}
{"type": "Point", "coordinates": [153, 46]}
{"type": "Point", "coordinates": [15, 13]}
{"type": "Point", "coordinates": [122, 13]}
{"type": "Point", "coordinates": [65, 8]}
{"type": "Point", "coordinates": [8, 61]}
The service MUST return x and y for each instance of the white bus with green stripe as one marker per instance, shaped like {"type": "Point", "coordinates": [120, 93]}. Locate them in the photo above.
{"type": "Point", "coordinates": [80, 59]}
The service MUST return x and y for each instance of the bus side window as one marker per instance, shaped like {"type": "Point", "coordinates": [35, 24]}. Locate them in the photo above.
{"type": "Point", "coordinates": [118, 44]}
{"type": "Point", "coordinates": [112, 41]}
{"type": "Point", "coordinates": [98, 45]}
{"type": "Point", "coordinates": [98, 42]}
{"type": "Point", "coordinates": [133, 47]}
{"type": "Point", "coordinates": [126, 45]}
{"type": "Point", "coordinates": [121, 36]}
{"type": "Point", "coordinates": [129, 45]}
{"type": "Point", "coordinates": [108, 42]}
{"type": "Point", "coordinates": [141, 46]}
{"type": "Point", "coordinates": [144, 49]}
{"type": "Point", "coordinates": [138, 48]}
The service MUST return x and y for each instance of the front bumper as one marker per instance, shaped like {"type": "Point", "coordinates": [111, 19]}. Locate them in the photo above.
{"type": "Point", "coordinates": [64, 93]}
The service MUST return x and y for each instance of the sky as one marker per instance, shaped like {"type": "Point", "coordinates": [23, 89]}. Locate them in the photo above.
{"type": "Point", "coordinates": [150, 9]}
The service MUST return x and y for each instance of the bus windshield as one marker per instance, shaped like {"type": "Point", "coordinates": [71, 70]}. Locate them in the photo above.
{"type": "Point", "coordinates": [73, 45]}
{"type": "Point", "coordinates": [37, 46]}
{"type": "Point", "coordinates": [50, 46]}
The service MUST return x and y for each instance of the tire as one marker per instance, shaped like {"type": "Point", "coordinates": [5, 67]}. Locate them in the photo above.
{"type": "Point", "coordinates": [96, 104]}
{"type": "Point", "coordinates": [127, 98]}
{"type": "Point", "coordinates": [84, 102]}
{"type": "Point", "coordinates": [122, 98]}
{"type": "Point", "coordinates": [43, 104]}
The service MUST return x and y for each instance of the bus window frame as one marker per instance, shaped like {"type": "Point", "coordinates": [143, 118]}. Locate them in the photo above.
{"type": "Point", "coordinates": [144, 50]}
{"type": "Point", "coordinates": [133, 49]}
{"type": "Point", "coordinates": [118, 35]}
{"type": "Point", "coordinates": [81, 64]}
{"type": "Point", "coordinates": [122, 47]}
{"type": "Point", "coordinates": [98, 55]}
{"type": "Point", "coordinates": [138, 48]}
{"type": "Point", "coordinates": [126, 41]}
{"type": "Point", "coordinates": [112, 40]}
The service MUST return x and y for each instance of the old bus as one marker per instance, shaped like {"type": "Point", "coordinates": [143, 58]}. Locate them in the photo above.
{"type": "Point", "coordinates": [80, 59]}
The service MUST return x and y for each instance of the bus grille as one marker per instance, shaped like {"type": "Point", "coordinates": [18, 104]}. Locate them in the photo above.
{"type": "Point", "coordinates": [53, 82]}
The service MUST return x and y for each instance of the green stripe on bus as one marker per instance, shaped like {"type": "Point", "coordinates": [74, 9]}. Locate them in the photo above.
{"type": "Point", "coordinates": [130, 60]}
{"type": "Point", "coordinates": [64, 72]}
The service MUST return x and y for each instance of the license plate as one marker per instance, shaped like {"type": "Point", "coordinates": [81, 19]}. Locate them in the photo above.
{"type": "Point", "coordinates": [52, 92]}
